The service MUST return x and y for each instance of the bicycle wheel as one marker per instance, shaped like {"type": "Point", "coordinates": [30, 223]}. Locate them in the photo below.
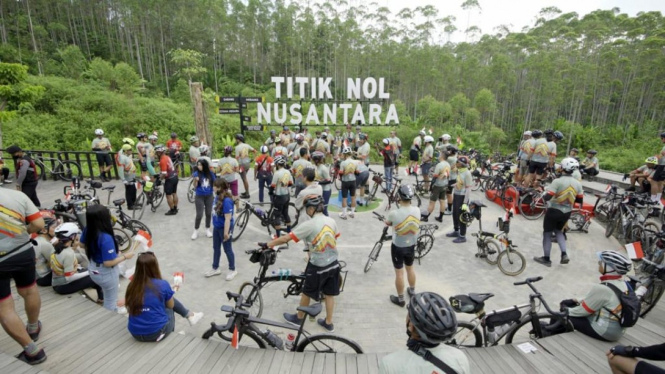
{"type": "Point", "coordinates": [477, 182]}
{"type": "Point", "coordinates": [252, 294]}
{"type": "Point", "coordinates": [577, 221]}
{"type": "Point", "coordinates": [521, 334]}
{"type": "Point", "coordinates": [612, 222]}
{"type": "Point", "coordinates": [139, 206]}
{"type": "Point", "coordinates": [183, 174]}
{"type": "Point", "coordinates": [191, 192]}
{"type": "Point", "coordinates": [509, 197]}
{"type": "Point", "coordinates": [157, 198]}
{"type": "Point", "coordinates": [490, 188]}
{"type": "Point", "coordinates": [649, 237]}
{"type": "Point", "coordinates": [373, 191]}
{"type": "Point", "coordinates": [531, 206]}
{"type": "Point", "coordinates": [328, 343]}
{"type": "Point", "coordinates": [492, 249]}
{"type": "Point", "coordinates": [373, 255]}
{"type": "Point", "coordinates": [417, 198]}
{"type": "Point", "coordinates": [67, 170]}
{"type": "Point", "coordinates": [135, 225]}
{"type": "Point", "coordinates": [294, 214]}
{"type": "Point", "coordinates": [423, 245]}
{"type": "Point", "coordinates": [122, 238]}
{"type": "Point", "coordinates": [511, 262]}
{"type": "Point", "coordinates": [467, 335]}
{"type": "Point", "coordinates": [40, 169]}
{"type": "Point", "coordinates": [650, 299]}
{"type": "Point", "coordinates": [239, 224]}
{"type": "Point", "coordinates": [255, 341]}
{"type": "Point", "coordinates": [337, 181]}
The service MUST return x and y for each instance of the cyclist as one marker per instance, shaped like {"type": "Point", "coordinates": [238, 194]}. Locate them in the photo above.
{"type": "Point", "coordinates": [323, 177]}
{"type": "Point", "coordinates": [4, 177]}
{"type": "Point", "coordinates": [242, 155]}
{"type": "Point", "coordinates": [428, 155]}
{"type": "Point", "coordinates": [101, 145]}
{"type": "Point", "coordinates": [452, 161]}
{"type": "Point", "coordinates": [523, 157]}
{"type": "Point", "coordinates": [443, 143]}
{"type": "Point", "coordinates": [263, 170]}
{"type": "Point", "coordinates": [271, 141]}
{"type": "Point", "coordinates": [127, 174]}
{"type": "Point", "coordinates": [168, 174]}
{"type": "Point", "coordinates": [405, 222]}
{"type": "Point", "coordinates": [297, 168]}
{"type": "Point", "coordinates": [281, 181]}
{"type": "Point", "coordinates": [439, 188]}
{"type": "Point", "coordinates": [323, 271]}
{"type": "Point", "coordinates": [356, 139]}
{"type": "Point", "coordinates": [347, 171]}
{"type": "Point", "coordinates": [562, 194]}
{"type": "Point", "coordinates": [337, 143]}
{"type": "Point", "coordinates": [538, 159]}
{"type": "Point", "coordinates": [228, 167]}
{"type": "Point", "coordinates": [285, 136]}
{"type": "Point", "coordinates": [280, 150]}
{"type": "Point", "coordinates": [388, 154]}
{"type": "Point", "coordinates": [149, 154]}
{"type": "Point", "coordinates": [574, 152]}
{"type": "Point", "coordinates": [348, 135]}
{"type": "Point", "coordinates": [363, 167]}
{"type": "Point", "coordinates": [461, 192]}
{"type": "Point", "coordinates": [204, 180]}
{"type": "Point", "coordinates": [26, 173]}
{"type": "Point", "coordinates": [430, 321]}
{"type": "Point", "coordinates": [659, 174]}
{"type": "Point", "coordinates": [414, 152]}
{"type": "Point", "coordinates": [321, 144]}
{"type": "Point", "coordinates": [396, 143]}
{"type": "Point", "coordinates": [307, 135]}
{"type": "Point", "coordinates": [68, 275]}
{"type": "Point", "coordinates": [194, 149]}
{"type": "Point", "coordinates": [44, 248]}
{"type": "Point", "coordinates": [128, 141]}
{"type": "Point", "coordinates": [312, 187]}
{"type": "Point", "coordinates": [222, 221]}
{"type": "Point", "coordinates": [555, 137]}
{"type": "Point", "coordinates": [174, 146]}
{"type": "Point", "coordinates": [643, 175]}
{"type": "Point", "coordinates": [622, 359]}
{"type": "Point", "coordinates": [298, 145]}
{"type": "Point", "coordinates": [141, 152]}
{"type": "Point", "coordinates": [590, 163]}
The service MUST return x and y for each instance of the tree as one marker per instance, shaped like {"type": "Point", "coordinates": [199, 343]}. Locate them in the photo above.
{"type": "Point", "coordinates": [14, 92]}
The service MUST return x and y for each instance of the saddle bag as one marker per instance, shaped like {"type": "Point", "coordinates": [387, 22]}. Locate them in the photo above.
{"type": "Point", "coordinates": [464, 304]}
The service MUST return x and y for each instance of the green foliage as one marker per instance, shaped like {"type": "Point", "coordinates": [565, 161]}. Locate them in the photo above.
{"type": "Point", "coordinates": [12, 73]}
{"type": "Point", "coordinates": [74, 62]}
{"type": "Point", "coordinates": [188, 62]}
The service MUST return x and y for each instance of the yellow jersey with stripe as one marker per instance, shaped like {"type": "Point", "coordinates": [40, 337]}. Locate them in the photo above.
{"type": "Point", "coordinates": [321, 234]}
{"type": "Point", "coordinates": [564, 190]}
{"type": "Point", "coordinates": [405, 222]}
{"type": "Point", "coordinates": [541, 152]}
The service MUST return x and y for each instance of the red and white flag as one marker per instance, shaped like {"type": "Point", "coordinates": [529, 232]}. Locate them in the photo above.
{"type": "Point", "coordinates": [143, 239]}
{"type": "Point", "coordinates": [634, 250]}
{"type": "Point", "coordinates": [235, 338]}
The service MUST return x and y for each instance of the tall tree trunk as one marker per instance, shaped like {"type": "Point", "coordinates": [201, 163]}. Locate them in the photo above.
{"type": "Point", "coordinates": [200, 117]}
{"type": "Point", "coordinates": [34, 42]}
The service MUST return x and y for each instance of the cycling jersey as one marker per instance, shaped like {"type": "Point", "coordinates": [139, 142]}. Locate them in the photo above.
{"type": "Point", "coordinates": [321, 234]}
{"type": "Point", "coordinates": [279, 150]}
{"type": "Point", "coordinates": [564, 190]}
{"type": "Point", "coordinates": [348, 169]}
{"type": "Point", "coordinates": [63, 265]}
{"type": "Point", "coordinates": [428, 153]}
{"type": "Point", "coordinates": [417, 142]}
{"type": "Point", "coordinates": [321, 146]}
{"type": "Point", "coordinates": [101, 145]}
{"type": "Point", "coordinates": [407, 362]}
{"type": "Point", "coordinates": [242, 154]}
{"type": "Point", "coordinates": [281, 180]}
{"type": "Point", "coordinates": [541, 152]}
{"type": "Point", "coordinates": [323, 174]}
{"type": "Point", "coordinates": [126, 167]}
{"type": "Point", "coordinates": [397, 143]}
{"type": "Point", "coordinates": [577, 175]}
{"type": "Point", "coordinates": [43, 251]}
{"type": "Point", "coordinates": [463, 183]}
{"type": "Point", "coordinates": [363, 153]}
{"type": "Point", "coordinates": [228, 166]}
{"type": "Point", "coordinates": [349, 135]}
{"type": "Point", "coordinates": [166, 167]}
{"type": "Point", "coordinates": [529, 147]}
{"type": "Point", "coordinates": [441, 147]}
{"type": "Point", "coordinates": [285, 138]}
{"type": "Point", "coordinates": [308, 138]}
{"type": "Point", "coordinates": [591, 161]}
{"type": "Point", "coordinates": [405, 222]}
{"type": "Point", "coordinates": [264, 165]}
{"type": "Point", "coordinates": [297, 148]}
{"type": "Point", "coordinates": [598, 303]}
{"type": "Point", "coordinates": [362, 168]}
{"type": "Point", "coordinates": [194, 153]}
{"type": "Point", "coordinates": [297, 168]}
{"type": "Point", "coordinates": [442, 173]}
{"type": "Point", "coordinates": [646, 170]}
{"type": "Point", "coordinates": [140, 148]}
{"type": "Point", "coordinates": [551, 146]}
{"type": "Point", "coordinates": [174, 145]}
{"type": "Point", "coordinates": [312, 189]}
{"type": "Point", "coordinates": [523, 153]}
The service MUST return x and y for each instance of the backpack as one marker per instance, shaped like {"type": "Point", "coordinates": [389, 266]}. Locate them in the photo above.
{"type": "Point", "coordinates": [630, 306]}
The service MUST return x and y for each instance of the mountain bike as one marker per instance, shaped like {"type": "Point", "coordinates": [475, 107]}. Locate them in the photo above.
{"type": "Point", "coordinates": [531, 204]}
{"type": "Point", "coordinates": [488, 329]}
{"type": "Point", "coordinates": [377, 178]}
{"type": "Point", "coordinates": [420, 184]}
{"type": "Point", "coordinates": [268, 219]}
{"type": "Point", "coordinates": [630, 218]}
{"type": "Point", "coordinates": [65, 170]}
{"type": "Point", "coordinates": [152, 194]}
{"type": "Point", "coordinates": [246, 325]}
{"type": "Point", "coordinates": [393, 196]}
{"type": "Point", "coordinates": [651, 286]}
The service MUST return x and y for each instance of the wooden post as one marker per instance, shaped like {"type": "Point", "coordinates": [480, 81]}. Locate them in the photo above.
{"type": "Point", "coordinates": [200, 117]}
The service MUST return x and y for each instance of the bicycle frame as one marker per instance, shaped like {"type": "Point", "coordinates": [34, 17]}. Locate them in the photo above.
{"type": "Point", "coordinates": [261, 280]}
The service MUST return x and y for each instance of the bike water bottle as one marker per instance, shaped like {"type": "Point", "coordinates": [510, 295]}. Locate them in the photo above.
{"type": "Point", "coordinates": [500, 330]}
{"type": "Point", "coordinates": [290, 341]}
{"type": "Point", "coordinates": [275, 340]}
{"type": "Point", "coordinates": [492, 335]}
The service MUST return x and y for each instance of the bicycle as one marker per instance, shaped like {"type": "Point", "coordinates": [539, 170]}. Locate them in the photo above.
{"type": "Point", "coordinates": [631, 218]}
{"type": "Point", "coordinates": [152, 194]}
{"type": "Point", "coordinates": [502, 186]}
{"type": "Point", "coordinates": [335, 179]}
{"type": "Point", "coordinates": [652, 287]}
{"type": "Point", "coordinates": [246, 325]}
{"type": "Point", "coordinates": [75, 192]}
{"type": "Point", "coordinates": [180, 164]}
{"type": "Point", "coordinates": [65, 170]}
{"type": "Point", "coordinates": [488, 329]}
{"type": "Point", "coordinates": [393, 196]}
{"type": "Point", "coordinates": [531, 204]}
{"type": "Point", "coordinates": [267, 219]}
{"type": "Point", "coordinates": [420, 184]}
{"type": "Point", "coordinates": [377, 178]}
{"type": "Point", "coordinates": [191, 191]}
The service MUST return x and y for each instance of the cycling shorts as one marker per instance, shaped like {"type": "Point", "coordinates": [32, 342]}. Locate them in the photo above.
{"type": "Point", "coordinates": [644, 367]}
{"type": "Point", "coordinates": [144, 166]}
{"type": "Point", "coordinates": [322, 280]}
{"type": "Point", "coordinates": [537, 167]}
{"type": "Point", "coordinates": [280, 213]}
{"type": "Point", "coordinates": [659, 174]}
{"type": "Point", "coordinates": [413, 155]}
{"type": "Point", "coordinates": [104, 159]}
{"type": "Point", "coordinates": [171, 186]}
{"type": "Point", "coordinates": [20, 268]}
{"type": "Point", "coordinates": [438, 193]}
{"type": "Point", "coordinates": [234, 188]}
{"type": "Point", "coordinates": [402, 255]}
{"type": "Point", "coordinates": [348, 188]}
{"type": "Point", "coordinates": [555, 220]}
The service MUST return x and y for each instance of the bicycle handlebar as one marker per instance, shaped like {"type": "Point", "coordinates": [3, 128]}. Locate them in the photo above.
{"type": "Point", "coordinates": [379, 217]}
{"type": "Point", "coordinates": [528, 281]}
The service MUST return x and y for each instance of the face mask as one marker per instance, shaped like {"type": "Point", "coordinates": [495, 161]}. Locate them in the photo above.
{"type": "Point", "coordinates": [60, 246]}
{"type": "Point", "coordinates": [16, 157]}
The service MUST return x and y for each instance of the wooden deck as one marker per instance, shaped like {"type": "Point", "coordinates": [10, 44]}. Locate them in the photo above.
{"type": "Point", "coordinates": [81, 337]}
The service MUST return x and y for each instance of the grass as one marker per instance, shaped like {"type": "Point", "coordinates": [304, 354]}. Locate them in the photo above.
{"type": "Point", "coordinates": [359, 209]}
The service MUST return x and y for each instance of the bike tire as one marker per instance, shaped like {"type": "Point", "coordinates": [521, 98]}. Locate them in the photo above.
{"type": "Point", "coordinates": [258, 341]}
{"type": "Point", "coordinates": [649, 237]}
{"type": "Point", "coordinates": [490, 185]}
{"type": "Point", "coordinates": [157, 200]}
{"type": "Point", "coordinates": [373, 191]}
{"type": "Point", "coordinates": [135, 225]}
{"type": "Point", "coordinates": [531, 212]}
{"type": "Point", "coordinates": [467, 335]}
{"type": "Point", "coordinates": [252, 295]}
{"type": "Point", "coordinates": [141, 201]}
{"type": "Point", "coordinates": [68, 170]}
{"type": "Point", "coordinates": [373, 255]}
{"type": "Point", "coordinates": [191, 192]}
{"type": "Point", "coordinates": [612, 222]}
{"type": "Point", "coordinates": [525, 334]}
{"type": "Point", "coordinates": [507, 261]}
{"type": "Point", "coordinates": [651, 298]}
{"type": "Point", "coordinates": [492, 258]}
{"type": "Point", "coordinates": [122, 238]}
{"type": "Point", "coordinates": [240, 224]}
{"type": "Point", "coordinates": [337, 181]}
{"type": "Point", "coordinates": [183, 175]}
{"type": "Point", "coordinates": [507, 201]}
{"type": "Point", "coordinates": [423, 245]}
{"type": "Point", "coordinates": [328, 343]}
{"type": "Point", "coordinates": [294, 214]}
{"type": "Point", "coordinates": [417, 198]}
{"type": "Point", "coordinates": [40, 169]}
{"type": "Point", "coordinates": [477, 182]}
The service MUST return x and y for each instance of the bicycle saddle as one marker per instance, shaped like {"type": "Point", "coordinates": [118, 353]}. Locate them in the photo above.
{"type": "Point", "coordinates": [96, 184]}
{"type": "Point", "coordinates": [480, 297]}
{"type": "Point", "coordinates": [312, 310]}
{"type": "Point", "coordinates": [477, 203]}
{"type": "Point", "coordinates": [108, 188]}
{"type": "Point", "coordinates": [118, 202]}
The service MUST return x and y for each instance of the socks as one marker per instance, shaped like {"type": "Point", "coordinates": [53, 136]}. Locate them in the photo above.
{"type": "Point", "coordinates": [413, 290]}
{"type": "Point", "coordinates": [440, 215]}
{"type": "Point", "coordinates": [547, 258]}
{"type": "Point", "coordinates": [278, 233]}
{"type": "Point", "coordinates": [31, 349]}
{"type": "Point", "coordinates": [288, 229]}
{"type": "Point", "coordinates": [401, 298]}
{"type": "Point", "coordinates": [33, 327]}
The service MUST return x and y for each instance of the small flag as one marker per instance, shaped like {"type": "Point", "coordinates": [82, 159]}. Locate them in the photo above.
{"type": "Point", "coordinates": [143, 239]}
{"type": "Point", "coordinates": [634, 250]}
{"type": "Point", "coordinates": [608, 188]}
{"type": "Point", "coordinates": [234, 339]}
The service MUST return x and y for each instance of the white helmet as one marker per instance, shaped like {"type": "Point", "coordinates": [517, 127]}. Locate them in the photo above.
{"type": "Point", "coordinates": [422, 133]}
{"type": "Point", "coordinates": [616, 261]}
{"type": "Point", "coordinates": [346, 150]}
{"type": "Point", "coordinates": [386, 141]}
{"type": "Point", "coordinates": [152, 137]}
{"type": "Point", "coordinates": [204, 149]}
{"type": "Point", "coordinates": [264, 149]}
{"type": "Point", "coordinates": [67, 230]}
{"type": "Point", "coordinates": [527, 133]}
{"type": "Point", "coordinates": [446, 137]}
{"type": "Point", "coordinates": [99, 132]}
{"type": "Point", "coordinates": [569, 164]}
{"type": "Point", "coordinates": [428, 139]}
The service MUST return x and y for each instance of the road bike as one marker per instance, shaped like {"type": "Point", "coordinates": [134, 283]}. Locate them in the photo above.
{"type": "Point", "coordinates": [516, 323]}
{"type": "Point", "coordinates": [531, 204]}
{"type": "Point", "coordinates": [65, 170]}
{"type": "Point", "coordinates": [268, 219]}
{"type": "Point", "coordinates": [239, 319]}
{"type": "Point", "coordinates": [152, 194]}
{"type": "Point", "coordinates": [651, 284]}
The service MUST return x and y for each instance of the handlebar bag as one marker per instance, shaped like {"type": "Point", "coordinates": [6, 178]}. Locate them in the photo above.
{"type": "Point", "coordinates": [498, 319]}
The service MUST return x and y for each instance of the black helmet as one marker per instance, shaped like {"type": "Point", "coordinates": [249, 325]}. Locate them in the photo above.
{"type": "Point", "coordinates": [575, 150]}
{"type": "Point", "coordinates": [549, 132]}
{"type": "Point", "coordinates": [592, 151]}
{"type": "Point", "coordinates": [432, 317]}
{"type": "Point", "coordinates": [317, 156]}
{"type": "Point", "coordinates": [451, 148]}
{"type": "Point", "coordinates": [174, 135]}
{"type": "Point", "coordinates": [662, 135]}
{"type": "Point", "coordinates": [558, 135]}
{"type": "Point", "coordinates": [312, 200]}
{"type": "Point", "coordinates": [140, 135]}
{"type": "Point", "coordinates": [240, 137]}
{"type": "Point", "coordinates": [228, 150]}
{"type": "Point", "coordinates": [405, 192]}
{"type": "Point", "coordinates": [536, 134]}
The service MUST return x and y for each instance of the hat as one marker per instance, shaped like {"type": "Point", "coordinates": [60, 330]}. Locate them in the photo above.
{"type": "Point", "coordinates": [14, 149]}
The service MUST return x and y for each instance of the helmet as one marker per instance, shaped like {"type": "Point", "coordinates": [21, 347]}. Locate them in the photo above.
{"type": "Point", "coordinates": [575, 150]}
{"type": "Point", "coordinates": [451, 148]}
{"type": "Point", "coordinates": [140, 135]}
{"type": "Point", "coordinates": [240, 137]}
{"type": "Point", "coordinates": [285, 128]}
{"type": "Point", "coordinates": [99, 132]}
{"type": "Point", "coordinates": [463, 160]}
{"type": "Point", "coordinates": [405, 192]}
{"type": "Point", "coordinates": [446, 137]}
{"type": "Point", "coordinates": [324, 135]}
{"type": "Point", "coordinates": [174, 135]}
{"type": "Point", "coordinates": [152, 137]}
{"type": "Point", "coordinates": [312, 200]}
{"type": "Point", "coordinates": [300, 138]}
{"type": "Point", "coordinates": [227, 150]}
{"type": "Point", "coordinates": [358, 127]}
{"type": "Point", "coordinates": [126, 147]}
{"type": "Point", "coordinates": [264, 149]}
{"type": "Point", "coordinates": [422, 133]}
{"type": "Point", "coordinates": [129, 141]}
{"type": "Point", "coordinates": [317, 155]}
{"type": "Point", "coordinates": [549, 132]}
{"type": "Point", "coordinates": [662, 135]}
{"type": "Point", "coordinates": [527, 133]}
{"type": "Point", "coordinates": [592, 151]}
{"type": "Point", "coordinates": [204, 149]}
{"type": "Point", "coordinates": [432, 317]}
{"type": "Point", "coordinates": [558, 135]}
{"type": "Point", "coordinates": [536, 133]}
{"type": "Point", "coordinates": [160, 148]}
{"type": "Point", "coordinates": [273, 132]}
{"type": "Point", "coordinates": [362, 137]}
{"type": "Point", "coordinates": [67, 230]}
{"type": "Point", "coordinates": [346, 151]}
{"type": "Point", "coordinates": [280, 160]}
{"type": "Point", "coordinates": [651, 160]}
{"type": "Point", "coordinates": [569, 164]}
{"type": "Point", "coordinates": [616, 261]}
{"type": "Point", "coordinates": [386, 141]}
{"type": "Point", "coordinates": [428, 139]}
{"type": "Point", "coordinates": [49, 218]}
{"type": "Point", "coordinates": [193, 139]}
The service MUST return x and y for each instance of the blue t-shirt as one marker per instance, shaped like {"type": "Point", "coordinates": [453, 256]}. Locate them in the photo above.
{"type": "Point", "coordinates": [218, 220]}
{"type": "Point", "coordinates": [153, 315]}
{"type": "Point", "coordinates": [104, 250]}
{"type": "Point", "coordinates": [204, 188]}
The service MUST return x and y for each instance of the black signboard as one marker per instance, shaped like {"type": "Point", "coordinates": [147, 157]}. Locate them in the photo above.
{"type": "Point", "coordinates": [247, 118]}
{"type": "Point", "coordinates": [253, 128]}
{"type": "Point", "coordinates": [252, 99]}
{"type": "Point", "coordinates": [227, 99]}
{"type": "Point", "coordinates": [228, 111]}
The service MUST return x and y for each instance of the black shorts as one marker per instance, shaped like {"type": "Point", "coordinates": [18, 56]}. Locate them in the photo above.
{"type": "Point", "coordinates": [537, 167]}
{"type": "Point", "coordinates": [644, 367]}
{"type": "Point", "coordinates": [413, 155]}
{"type": "Point", "coordinates": [402, 255]}
{"type": "Point", "coordinates": [555, 220]}
{"type": "Point", "coordinates": [361, 179]}
{"type": "Point", "coordinates": [322, 280]}
{"type": "Point", "coordinates": [104, 159]}
{"type": "Point", "coordinates": [171, 186]}
{"type": "Point", "coordinates": [280, 213]}
{"type": "Point", "coordinates": [144, 166]}
{"type": "Point", "coordinates": [659, 174]}
{"type": "Point", "coordinates": [438, 193]}
{"type": "Point", "coordinates": [348, 187]}
{"type": "Point", "coordinates": [20, 268]}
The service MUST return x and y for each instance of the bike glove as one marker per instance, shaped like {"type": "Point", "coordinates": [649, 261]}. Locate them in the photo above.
{"type": "Point", "coordinates": [622, 350]}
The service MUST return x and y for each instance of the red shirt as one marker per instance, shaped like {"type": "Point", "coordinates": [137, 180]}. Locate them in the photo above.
{"type": "Point", "coordinates": [166, 167]}
{"type": "Point", "coordinates": [174, 145]}
{"type": "Point", "coordinates": [265, 166]}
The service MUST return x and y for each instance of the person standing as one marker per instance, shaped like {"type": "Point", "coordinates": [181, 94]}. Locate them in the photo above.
{"type": "Point", "coordinates": [298, 167]}
{"type": "Point", "coordinates": [387, 152]}
{"type": "Point", "coordinates": [414, 152]}
{"type": "Point", "coordinates": [20, 218]}
{"type": "Point", "coordinates": [170, 177]}
{"type": "Point", "coordinates": [439, 187]}
{"type": "Point", "coordinates": [538, 158]}
{"type": "Point", "coordinates": [279, 190]}
{"type": "Point", "coordinates": [222, 221]}
{"type": "Point", "coordinates": [194, 150]}
{"type": "Point", "coordinates": [149, 154]}
{"type": "Point", "coordinates": [26, 173]}
{"type": "Point", "coordinates": [461, 192]}
{"type": "Point", "coordinates": [452, 161]}
{"type": "Point", "coordinates": [347, 171]}
{"type": "Point", "coordinates": [141, 146]}
{"type": "Point", "coordinates": [242, 155]}
{"type": "Point", "coordinates": [322, 176]}
{"type": "Point", "coordinates": [263, 170]}
{"type": "Point", "coordinates": [428, 155]}
{"type": "Point", "coordinates": [363, 167]}
{"type": "Point", "coordinates": [174, 146]}
{"type": "Point", "coordinates": [523, 157]}
{"type": "Point", "coordinates": [127, 174]}
{"type": "Point", "coordinates": [271, 141]}
{"type": "Point", "coordinates": [102, 148]}
{"type": "Point", "coordinates": [405, 222]}
{"type": "Point", "coordinates": [203, 180]}
{"type": "Point", "coordinates": [396, 143]}
{"type": "Point", "coordinates": [337, 142]}
{"type": "Point", "coordinates": [348, 135]}
{"type": "Point", "coordinates": [228, 169]}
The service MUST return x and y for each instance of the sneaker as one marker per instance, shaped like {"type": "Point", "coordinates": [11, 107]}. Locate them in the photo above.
{"type": "Point", "coordinates": [7, 181]}
{"type": "Point", "coordinates": [244, 195]}
{"type": "Point", "coordinates": [342, 215]}
{"type": "Point", "coordinates": [352, 214]}
{"type": "Point", "coordinates": [542, 261]}
{"type": "Point", "coordinates": [424, 218]}
{"type": "Point", "coordinates": [193, 320]}
{"type": "Point", "coordinates": [395, 300]}
{"type": "Point", "coordinates": [209, 232]}
{"type": "Point", "coordinates": [122, 310]}
{"type": "Point", "coordinates": [452, 234]}
{"type": "Point", "coordinates": [293, 319]}
{"type": "Point", "coordinates": [35, 335]}
{"type": "Point", "coordinates": [439, 219]}
{"type": "Point", "coordinates": [565, 259]}
{"type": "Point", "coordinates": [35, 359]}
{"type": "Point", "coordinates": [212, 272]}
{"type": "Point", "coordinates": [171, 212]}
{"type": "Point", "coordinates": [448, 213]}
{"type": "Point", "coordinates": [231, 275]}
{"type": "Point", "coordinates": [328, 327]}
{"type": "Point", "coordinates": [409, 292]}
{"type": "Point", "coordinates": [195, 234]}
{"type": "Point", "coordinates": [460, 239]}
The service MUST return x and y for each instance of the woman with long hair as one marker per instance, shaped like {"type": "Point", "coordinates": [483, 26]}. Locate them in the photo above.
{"type": "Point", "coordinates": [222, 221]}
{"type": "Point", "coordinates": [151, 304]}
{"type": "Point", "coordinates": [102, 250]}
{"type": "Point", "coordinates": [203, 180]}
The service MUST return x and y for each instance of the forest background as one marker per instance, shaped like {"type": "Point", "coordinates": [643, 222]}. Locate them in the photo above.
{"type": "Point", "coordinates": [71, 66]}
